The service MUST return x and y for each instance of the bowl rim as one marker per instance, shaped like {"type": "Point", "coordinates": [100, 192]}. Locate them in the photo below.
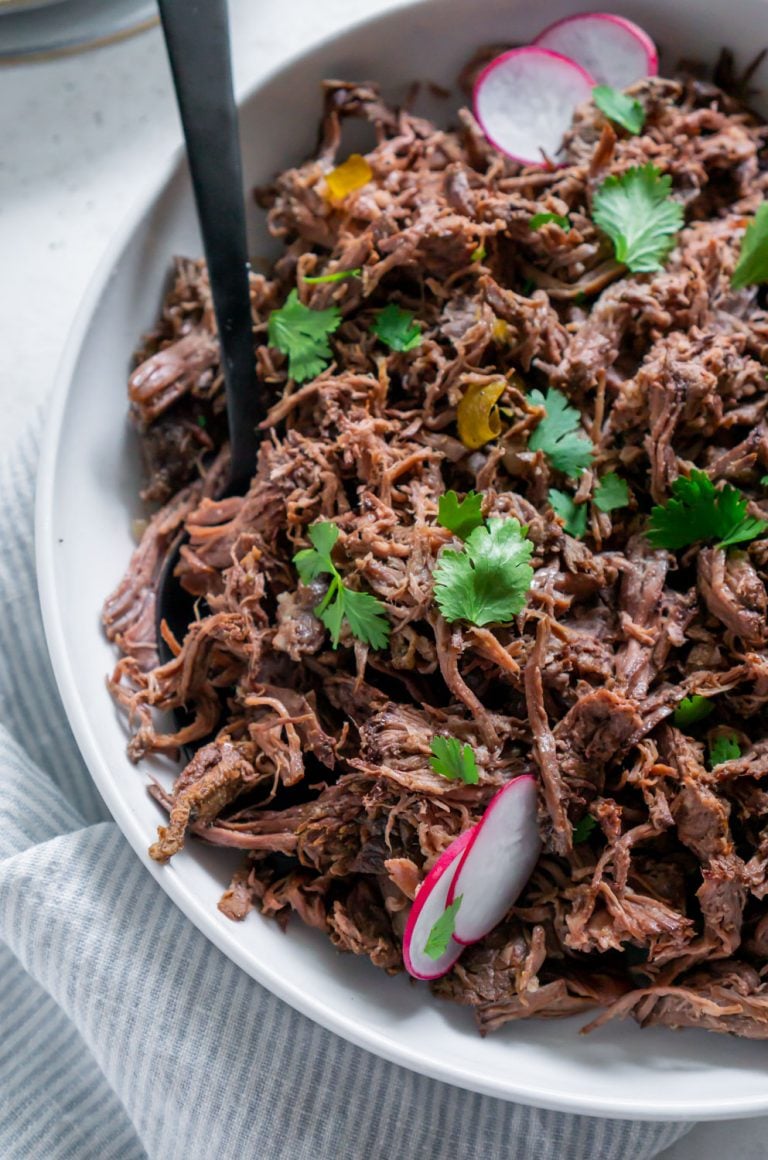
{"type": "Point", "coordinates": [509, 1088]}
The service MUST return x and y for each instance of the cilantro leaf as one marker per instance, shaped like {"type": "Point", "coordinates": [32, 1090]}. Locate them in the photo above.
{"type": "Point", "coordinates": [478, 253]}
{"type": "Point", "coordinates": [723, 748]}
{"type": "Point", "coordinates": [638, 215]}
{"type": "Point", "coordinates": [619, 108]}
{"type": "Point", "coordinates": [396, 327]}
{"type": "Point", "coordinates": [764, 480]}
{"type": "Point", "coordinates": [453, 760]}
{"type": "Point", "coordinates": [460, 516]}
{"type": "Point", "coordinates": [692, 709]}
{"type": "Point", "coordinates": [302, 334]}
{"type": "Point", "coordinates": [316, 561]}
{"type": "Point", "coordinates": [752, 266]}
{"type": "Point", "coordinates": [573, 515]}
{"type": "Point", "coordinates": [488, 581]}
{"type": "Point", "coordinates": [330, 610]}
{"type": "Point", "coordinates": [363, 612]}
{"type": "Point", "coordinates": [440, 936]}
{"type": "Point", "coordinates": [541, 219]}
{"type": "Point", "coordinates": [700, 511]}
{"type": "Point", "coordinates": [611, 493]}
{"type": "Point", "coordinates": [323, 537]}
{"type": "Point", "coordinates": [559, 434]}
{"type": "Point", "coordinates": [338, 276]}
{"type": "Point", "coordinates": [583, 829]}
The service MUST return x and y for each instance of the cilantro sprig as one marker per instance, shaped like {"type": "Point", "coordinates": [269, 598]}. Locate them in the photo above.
{"type": "Point", "coordinates": [302, 334]}
{"type": "Point", "coordinates": [611, 493]}
{"type": "Point", "coordinates": [487, 582]}
{"type": "Point", "coordinates": [619, 108]}
{"type": "Point", "coordinates": [337, 276]}
{"type": "Point", "coordinates": [573, 515]}
{"type": "Point", "coordinates": [363, 612]}
{"type": "Point", "coordinates": [638, 215]}
{"type": "Point", "coordinates": [691, 710]}
{"type": "Point", "coordinates": [559, 434]}
{"type": "Point", "coordinates": [583, 829]}
{"type": "Point", "coordinates": [723, 748]}
{"type": "Point", "coordinates": [453, 760]}
{"type": "Point", "coordinates": [396, 327]}
{"type": "Point", "coordinates": [700, 511]}
{"type": "Point", "coordinates": [541, 219]}
{"type": "Point", "coordinates": [460, 516]}
{"type": "Point", "coordinates": [439, 937]}
{"type": "Point", "coordinates": [752, 266]}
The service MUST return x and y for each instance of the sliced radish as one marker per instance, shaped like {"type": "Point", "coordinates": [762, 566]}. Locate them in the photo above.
{"type": "Point", "coordinates": [430, 902]}
{"type": "Point", "coordinates": [612, 49]}
{"type": "Point", "coordinates": [498, 860]}
{"type": "Point", "coordinates": [525, 100]}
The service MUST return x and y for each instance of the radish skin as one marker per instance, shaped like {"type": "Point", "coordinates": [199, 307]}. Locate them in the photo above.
{"type": "Point", "coordinates": [498, 860]}
{"type": "Point", "coordinates": [524, 101]}
{"type": "Point", "coordinates": [430, 902]}
{"type": "Point", "coordinates": [614, 50]}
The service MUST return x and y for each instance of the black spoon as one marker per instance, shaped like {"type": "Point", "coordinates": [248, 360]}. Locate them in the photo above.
{"type": "Point", "coordinates": [197, 39]}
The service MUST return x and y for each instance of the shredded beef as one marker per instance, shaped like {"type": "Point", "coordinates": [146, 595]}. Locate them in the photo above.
{"type": "Point", "coordinates": [649, 896]}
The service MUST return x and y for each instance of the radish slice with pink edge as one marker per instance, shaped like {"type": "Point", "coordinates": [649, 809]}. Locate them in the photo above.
{"type": "Point", "coordinates": [429, 904]}
{"type": "Point", "coordinates": [498, 860]}
{"type": "Point", "coordinates": [611, 48]}
{"type": "Point", "coordinates": [525, 99]}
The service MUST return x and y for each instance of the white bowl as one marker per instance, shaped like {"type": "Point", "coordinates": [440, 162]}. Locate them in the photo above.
{"type": "Point", "coordinates": [42, 29]}
{"type": "Point", "coordinates": [87, 489]}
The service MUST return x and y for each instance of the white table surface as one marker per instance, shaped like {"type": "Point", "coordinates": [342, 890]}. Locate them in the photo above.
{"type": "Point", "coordinates": [81, 140]}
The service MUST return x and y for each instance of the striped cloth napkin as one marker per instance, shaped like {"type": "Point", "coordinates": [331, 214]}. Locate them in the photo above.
{"type": "Point", "coordinates": [126, 1034]}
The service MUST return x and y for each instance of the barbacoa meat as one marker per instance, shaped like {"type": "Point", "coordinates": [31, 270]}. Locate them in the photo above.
{"type": "Point", "coordinates": [315, 762]}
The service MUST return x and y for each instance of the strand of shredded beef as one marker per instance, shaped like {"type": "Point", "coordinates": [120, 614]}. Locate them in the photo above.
{"type": "Point", "coordinates": [315, 762]}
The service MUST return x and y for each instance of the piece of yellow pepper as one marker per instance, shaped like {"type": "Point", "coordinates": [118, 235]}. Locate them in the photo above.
{"type": "Point", "coordinates": [352, 174]}
{"type": "Point", "coordinates": [500, 330]}
{"type": "Point", "coordinates": [477, 415]}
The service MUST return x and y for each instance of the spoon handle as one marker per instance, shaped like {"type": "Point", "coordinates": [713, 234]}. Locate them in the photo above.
{"type": "Point", "coordinates": [197, 39]}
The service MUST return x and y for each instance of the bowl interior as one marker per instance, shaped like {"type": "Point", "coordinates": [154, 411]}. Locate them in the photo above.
{"type": "Point", "coordinates": [17, 5]}
{"type": "Point", "coordinates": [87, 497]}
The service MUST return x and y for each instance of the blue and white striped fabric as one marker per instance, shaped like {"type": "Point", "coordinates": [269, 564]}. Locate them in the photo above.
{"type": "Point", "coordinates": [110, 1050]}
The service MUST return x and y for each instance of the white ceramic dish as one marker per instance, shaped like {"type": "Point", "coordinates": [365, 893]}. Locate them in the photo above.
{"type": "Point", "coordinates": [86, 497]}
{"type": "Point", "coordinates": [17, 5]}
{"type": "Point", "coordinates": [42, 29]}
